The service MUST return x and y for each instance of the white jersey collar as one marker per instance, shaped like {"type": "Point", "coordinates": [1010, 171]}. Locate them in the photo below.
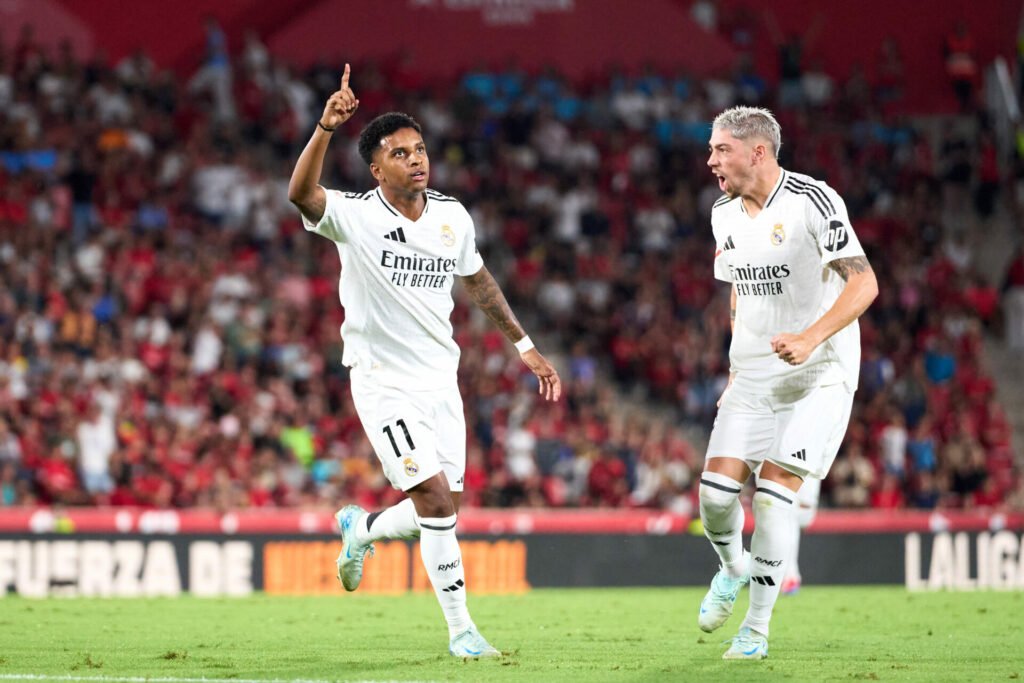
{"type": "Point", "coordinates": [392, 209]}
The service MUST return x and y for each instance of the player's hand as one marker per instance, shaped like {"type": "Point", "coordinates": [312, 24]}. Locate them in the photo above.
{"type": "Point", "coordinates": [793, 348]}
{"type": "Point", "coordinates": [719, 404]}
{"type": "Point", "coordinates": [341, 105]}
{"type": "Point", "coordinates": [550, 385]}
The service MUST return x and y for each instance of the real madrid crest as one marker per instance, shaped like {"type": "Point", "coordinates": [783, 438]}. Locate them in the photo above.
{"type": "Point", "coordinates": [778, 234]}
{"type": "Point", "coordinates": [447, 236]}
{"type": "Point", "coordinates": [411, 468]}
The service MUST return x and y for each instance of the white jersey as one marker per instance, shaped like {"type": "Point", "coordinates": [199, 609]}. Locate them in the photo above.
{"type": "Point", "coordinates": [777, 262]}
{"type": "Point", "coordinates": [396, 284]}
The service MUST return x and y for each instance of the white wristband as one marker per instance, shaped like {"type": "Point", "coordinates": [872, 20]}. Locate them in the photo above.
{"type": "Point", "coordinates": [524, 344]}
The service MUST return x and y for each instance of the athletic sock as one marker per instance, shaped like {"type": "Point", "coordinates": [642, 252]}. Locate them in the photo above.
{"type": "Point", "coordinates": [793, 562]}
{"type": "Point", "coordinates": [722, 516]}
{"type": "Point", "coordinates": [395, 522]}
{"type": "Point", "coordinates": [442, 559]}
{"type": "Point", "coordinates": [802, 518]}
{"type": "Point", "coordinates": [770, 549]}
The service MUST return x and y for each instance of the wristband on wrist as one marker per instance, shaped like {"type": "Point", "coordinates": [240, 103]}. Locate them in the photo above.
{"type": "Point", "coordinates": [329, 130]}
{"type": "Point", "coordinates": [524, 344]}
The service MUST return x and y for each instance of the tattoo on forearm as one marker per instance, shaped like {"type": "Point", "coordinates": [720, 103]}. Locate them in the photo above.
{"type": "Point", "coordinates": [732, 314]}
{"type": "Point", "coordinates": [850, 266]}
{"type": "Point", "coordinates": [486, 294]}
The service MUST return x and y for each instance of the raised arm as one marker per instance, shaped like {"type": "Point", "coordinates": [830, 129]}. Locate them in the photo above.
{"type": "Point", "coordinates": [486, 294]}
{"type": "Point", "coordinates": [304, 190]}
{"type": "Point", "coordinates": [860, 290]}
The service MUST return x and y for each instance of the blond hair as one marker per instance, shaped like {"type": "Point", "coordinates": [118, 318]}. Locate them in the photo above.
{"type": "Point", "coordinates": [749, 122]}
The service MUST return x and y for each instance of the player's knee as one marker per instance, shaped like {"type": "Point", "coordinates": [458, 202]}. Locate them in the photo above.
{"type": "Point", "coordinates": [772, 496]}
{"type": "Point", "coordinates": [717, 493]}
{"type": "Point", "coordinates": [715, 501]}
{"type": "Point", "coordinates": [432, 498]}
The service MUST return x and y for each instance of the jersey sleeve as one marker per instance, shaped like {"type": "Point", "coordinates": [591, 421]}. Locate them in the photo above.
{"type": "Point", "coordinates": [470, 261]}
{"type": "Point", "coordinates": [721, 258]}
{"type": "Point", "coordinates": [830, 224]}
{"type": "Point", "coordinates": [336, 223]}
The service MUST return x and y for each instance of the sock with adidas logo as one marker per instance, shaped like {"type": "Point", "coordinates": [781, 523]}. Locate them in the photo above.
{"type": "Point", "coordinates": [442, 558]}
{"type": "Point", "coordinates": [770, 548]}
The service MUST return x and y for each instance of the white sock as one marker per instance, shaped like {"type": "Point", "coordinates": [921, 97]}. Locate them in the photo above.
{"type": "Point", "coordinates": [442, 559]}
{"type": "Point", "coordinates": [802, 519]}
{"type": "Point", "coordinates": [770, 549]}
{"type": "Point", "coordinates": [395, 522]}
{"type": "Point", "coordinates": [793, 565]}
{"type": "Point", "coordinates": [722, 516]}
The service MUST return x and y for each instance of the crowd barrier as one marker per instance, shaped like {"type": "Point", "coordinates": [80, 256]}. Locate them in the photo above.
{"type": "Point", "coordinates": [129, 552]}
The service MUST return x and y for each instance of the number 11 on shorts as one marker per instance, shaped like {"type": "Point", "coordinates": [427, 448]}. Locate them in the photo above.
{"type": "Point", "coordinates": [405, 430]}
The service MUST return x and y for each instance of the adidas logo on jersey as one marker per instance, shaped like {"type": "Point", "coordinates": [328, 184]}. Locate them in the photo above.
{"type": "Point", "coordinates": [396, 235]}
{"type": "Point", "coordinates": [800, 454]}
{"type": "Point", "coordinates": [729, 244]}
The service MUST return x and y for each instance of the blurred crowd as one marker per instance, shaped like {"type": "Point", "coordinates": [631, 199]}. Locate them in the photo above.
{"type": "Point", "coordinates": [169, 333]}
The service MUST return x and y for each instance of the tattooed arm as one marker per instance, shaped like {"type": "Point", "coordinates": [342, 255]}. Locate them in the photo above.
{"type": "Point", "coordinates": [860, 290]}
{"type": "Point", "coordinates": [486, 294]}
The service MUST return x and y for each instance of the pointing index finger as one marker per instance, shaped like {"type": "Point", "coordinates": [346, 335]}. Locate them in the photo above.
{"type": "Point", "coordinates": [344, 77]}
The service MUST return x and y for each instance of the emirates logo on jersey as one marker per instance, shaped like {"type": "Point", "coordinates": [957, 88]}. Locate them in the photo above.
{"type": "Point", "coordinates": [447, 236]}
{"type": "Point", "coordinates": [778, 235]}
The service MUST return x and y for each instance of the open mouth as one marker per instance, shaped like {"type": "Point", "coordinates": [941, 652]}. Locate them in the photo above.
{"type": "Point", "coordinates": [419, 175]}
{"type": "Point", "coordinates": [721, 183]}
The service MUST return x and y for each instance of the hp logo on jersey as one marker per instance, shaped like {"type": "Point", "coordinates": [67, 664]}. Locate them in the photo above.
{"type": "Point", "coordinates": [837, 236]}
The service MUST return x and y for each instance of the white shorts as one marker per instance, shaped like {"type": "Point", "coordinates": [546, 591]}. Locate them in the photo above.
{"type": "Point", "coordinates": [415, 434]}
{"type": "Point", "coordinates": [799, 432]}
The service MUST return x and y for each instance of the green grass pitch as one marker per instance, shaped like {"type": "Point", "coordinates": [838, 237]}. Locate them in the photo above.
{"type": "Point", "coordinates": [823, 633]}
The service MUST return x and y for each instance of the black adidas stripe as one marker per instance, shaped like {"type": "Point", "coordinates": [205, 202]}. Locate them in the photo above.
{"type": "Point", "coordinates": [821, 194]}
{"type": "Point", "coordinates": [437, 528]}
{"type": "Point", "coordinates": [817, 205]}
{"type": "Point", "coordinates": [773, 493]}
{"type": "Point", "coordinates": [725, 199]}
{"type": "Point", "coordinates": [778, 187]}
{"type": "Point", "coordinates": [385, 204]}
{"type": "Point", "coordinates": [718, 486]}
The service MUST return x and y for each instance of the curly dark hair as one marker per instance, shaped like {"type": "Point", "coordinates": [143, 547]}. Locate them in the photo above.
{"type": "Point", "coordinates": [381, 127]}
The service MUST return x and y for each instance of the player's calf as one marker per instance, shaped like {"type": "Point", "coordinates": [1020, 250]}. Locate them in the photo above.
{"type": "Point", "coordinates": [770, 547]}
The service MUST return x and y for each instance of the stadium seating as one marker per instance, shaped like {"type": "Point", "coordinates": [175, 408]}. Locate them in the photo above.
{"type": "Point", "coordinates": [169, 333]}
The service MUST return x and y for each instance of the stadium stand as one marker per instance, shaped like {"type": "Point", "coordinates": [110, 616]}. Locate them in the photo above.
{"type": "Point", "coordinates": [169, 333]}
